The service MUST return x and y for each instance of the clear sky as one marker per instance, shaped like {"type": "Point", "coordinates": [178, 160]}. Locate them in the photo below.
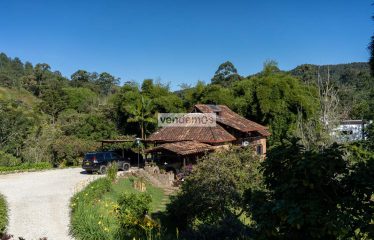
{"type": "Point", "coordinates": [182, 41]}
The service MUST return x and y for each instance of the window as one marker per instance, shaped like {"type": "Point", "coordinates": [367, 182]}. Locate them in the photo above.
{"type": "Point", "coordinates": [259, 149]}
{"type": "Point", "coordinates": [100, 156]}
{"type": "Point", "coordinates": [108, 156]}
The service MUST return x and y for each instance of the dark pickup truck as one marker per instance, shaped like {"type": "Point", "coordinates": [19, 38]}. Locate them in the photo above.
{"type": "Point", "coordinates": [98, 161]}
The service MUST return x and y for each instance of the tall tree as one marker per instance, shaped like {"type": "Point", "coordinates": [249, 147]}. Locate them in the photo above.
{"type": "Point", "coordinates": [141, 113]}
{"type": "Point", "coordinates": [54, 101]}
{"type": "Point", "coordinates": [371, 48]}
{"type": "Point", "coordinates": [40, 73]}
{"type": "Point", "coordinates": [225, 74]}
{"type": "Point", "coordinates": [106, 82]}
{"type": "Point", "coordinates": [15, 125]}
{"type": "Point", "coordinates": [79, 78]}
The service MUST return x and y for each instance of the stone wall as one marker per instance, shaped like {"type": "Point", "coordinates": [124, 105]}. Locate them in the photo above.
{"type": "Point", "coordinates": [166, 179]}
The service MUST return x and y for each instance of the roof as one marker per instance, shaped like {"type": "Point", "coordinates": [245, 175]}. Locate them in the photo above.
{"type": "Point", "coordinates": [216, 134]}
{"type": "Point", "coordinates": [183, 148]}
{"type": "Point", "coordinates": [117, 140]}
{"type": "Point", "coordinates": [230, 118]}
{"type": "Point", "coordinates": [353, 122]}
{"type": "Point", "coordinates": [209, 134]}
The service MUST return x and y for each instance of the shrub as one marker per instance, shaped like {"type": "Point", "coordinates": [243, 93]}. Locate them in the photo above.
{"type": "Point", "coordinates": [67, 150]}
{"type": "Point", "coordinates": [314, 194]}
{"type": "Point", "coordinates": [26, 167]}
{"type": "Point", "coordinates": [3, 215]}
{"type": "Point", "coordinates": [133, 215]}
{"type": "Point", "coordinates": [214, 191]}
{"type": "Point", "coordinates": [111, 172]}
{"type": "Point", "coordinates": [104, 210]}
{"type": "Point", "coordinates": [8, 160]}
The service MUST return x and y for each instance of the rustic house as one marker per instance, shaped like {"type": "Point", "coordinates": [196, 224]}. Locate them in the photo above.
{"type": "Point", "coordinates": [188, 142]}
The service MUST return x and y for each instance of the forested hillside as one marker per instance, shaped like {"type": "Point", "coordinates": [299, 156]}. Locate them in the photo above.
{"type": "Point", "coordinates": [353, 84]}
{"type": "Point", "coordinates": [46, 117]}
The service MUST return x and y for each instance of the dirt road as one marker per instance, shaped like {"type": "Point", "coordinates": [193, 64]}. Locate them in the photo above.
{"type": "Point", "coordinates": [39, 201]}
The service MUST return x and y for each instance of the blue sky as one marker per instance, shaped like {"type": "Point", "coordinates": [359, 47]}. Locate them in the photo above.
{"type": "Point", "coordinates": [182, 41]}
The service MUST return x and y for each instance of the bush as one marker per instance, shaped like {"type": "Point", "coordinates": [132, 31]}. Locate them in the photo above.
{"type": "Point", "coordinates": [104, 210]}
{"type": "Point", "coordinates": [111, 172]}
{"type": "Point", "coordinates": [133, 215]}
{"type": "Point", "coordinates": [3, 215]}
{"type": "Point", "coordinates": [314, 194]}
{"type": "Point", "coordinates": [214, 191]}
{"type": "Point", "coordinates": [8, 160]}
{"type": "Point", "coordinates": [26, 167]}
{"type": "Point", "coordinates": [67, 150]}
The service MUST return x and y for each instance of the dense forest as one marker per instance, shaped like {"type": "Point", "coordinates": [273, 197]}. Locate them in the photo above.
{"type": "Point", "coordinates": [46, 117]}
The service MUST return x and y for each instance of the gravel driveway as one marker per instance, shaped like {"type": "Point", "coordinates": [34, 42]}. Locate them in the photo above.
{"type": "Point", "coordinates": [39, 201]}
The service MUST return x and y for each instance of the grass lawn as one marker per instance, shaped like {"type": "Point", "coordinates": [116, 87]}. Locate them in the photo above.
{"type": "Point", "coordinates": [126, 186]}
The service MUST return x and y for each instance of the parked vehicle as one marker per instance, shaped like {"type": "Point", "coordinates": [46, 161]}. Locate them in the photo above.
{"type": "Point", "coordinates": [99, 161]}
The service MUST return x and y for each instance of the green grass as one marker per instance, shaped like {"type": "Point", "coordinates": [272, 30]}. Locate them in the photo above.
{"type": "Point", "coordinates": [3, 215]}
{"type": "Point", "coordinates": [94, 215]}
{"type": "Point", "coordinates": [126, 186]}
{"type": "Point", "coordinates": [25, 167]}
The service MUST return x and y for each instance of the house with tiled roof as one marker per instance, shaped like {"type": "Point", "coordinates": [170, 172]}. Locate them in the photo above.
{"type": "Point", "coordinates": [191, 141]}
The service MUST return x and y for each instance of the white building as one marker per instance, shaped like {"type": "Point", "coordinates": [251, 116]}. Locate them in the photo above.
{"type": "Point", "coordinates": [350, 130]}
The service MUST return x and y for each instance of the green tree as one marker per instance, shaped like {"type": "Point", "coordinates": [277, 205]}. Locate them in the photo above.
{"type": "Point", "coordinates": [142, 114]}
{"type": "Point", "coordinates": [92, 126]}
{"type": "Point", "coordinates": [15, 125]}
{"type": "Point", "coordinates": [69, 150]}
{"type": "Point", "coordinates": [80, 99]}
{"type": "Point", "coordinates": [275, 99]}
{"type": "Point", "coordinates": [315, 194]}
{"type": "Point", "coordinates": [225, 74]}
{"type": "Point", "coordinates": [214, 192]}
{"type": "Point", "coordinates": [192, 95]}
{"type": "Point", "coordinates": [80, 78]}
{"type": "Point", "coordinates": [371, 60]}
{"type": "Point", "coordinates": [270, 66]}
{"type": "Point", "coordinates": [37, 147]}
{"type": "Point", "coordinates": [216, 94]}
{"type": "Point", "coordinates": [128, 94]}
{"type": "Point", "coordinates": [40, 72]}
{"type": "Point", "coordinates": [106, 82]}
{"type": "Point", "coordinates": [147, 87]}
{"type": "Point", "coordinates": [54, 101]}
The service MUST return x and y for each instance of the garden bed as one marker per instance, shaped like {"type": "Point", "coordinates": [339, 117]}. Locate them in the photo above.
{"type": "Point", "coordinates": [95, 210]}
